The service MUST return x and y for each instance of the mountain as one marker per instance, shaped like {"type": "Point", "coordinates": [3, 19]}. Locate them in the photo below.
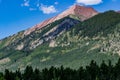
{"type": "Point", "coordinates": [118, 11]}
{"type": "Point", "coordinates": [71, 41]}
{"type": "Point", "coordinates": [35, 36]}
{"type": "Point", "coordinates": [77, 11]}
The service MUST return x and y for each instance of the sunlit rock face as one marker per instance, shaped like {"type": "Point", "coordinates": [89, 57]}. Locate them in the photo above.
{"type": "Point", "coordinates": [81, 12]}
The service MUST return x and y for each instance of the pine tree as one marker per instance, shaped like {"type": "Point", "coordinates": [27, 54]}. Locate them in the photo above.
{"type": "Point", "coordinates": [28, 74]}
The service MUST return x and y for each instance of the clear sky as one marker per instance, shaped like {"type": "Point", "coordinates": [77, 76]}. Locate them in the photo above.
{"type": "Point", "coordinates": [17, 15]}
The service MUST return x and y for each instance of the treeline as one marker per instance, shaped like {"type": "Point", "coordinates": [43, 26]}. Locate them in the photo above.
{"type": "Point", "coordinates": [91, 72]}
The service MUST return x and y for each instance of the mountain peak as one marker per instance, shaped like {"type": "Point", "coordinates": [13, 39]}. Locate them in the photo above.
{"type": "Point", "coordinates": [73, 7]}
{"type": "Point", "coordinates": [118, 11]}
{"type": "Point", "coordinates": [76, 6]}
{"type": "Point", "coordinates": [82, 12]}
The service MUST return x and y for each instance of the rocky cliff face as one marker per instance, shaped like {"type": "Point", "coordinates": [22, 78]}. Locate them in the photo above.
{"type": "Point", "coordinates": [40, 36]}
{"type": "Point", "coordinates": [81, 12]}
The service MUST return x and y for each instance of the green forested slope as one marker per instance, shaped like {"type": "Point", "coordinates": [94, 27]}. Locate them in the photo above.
{"type": "Point", "coordinates": [94, 39]}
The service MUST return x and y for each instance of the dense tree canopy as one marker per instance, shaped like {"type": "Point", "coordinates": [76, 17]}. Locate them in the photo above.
{"type": "Point", "coordinates": [91, 72]}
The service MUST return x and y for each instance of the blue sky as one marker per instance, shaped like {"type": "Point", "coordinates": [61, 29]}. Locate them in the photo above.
{"type": "Point", "coordinates": [17, 15]}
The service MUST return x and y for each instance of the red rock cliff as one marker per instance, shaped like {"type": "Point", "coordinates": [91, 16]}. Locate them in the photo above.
{"type": "Point", "coordinates": [81, 11]}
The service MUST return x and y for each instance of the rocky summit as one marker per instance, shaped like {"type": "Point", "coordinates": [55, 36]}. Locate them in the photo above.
{"type": "Point", "coordinates": [81, 12]}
